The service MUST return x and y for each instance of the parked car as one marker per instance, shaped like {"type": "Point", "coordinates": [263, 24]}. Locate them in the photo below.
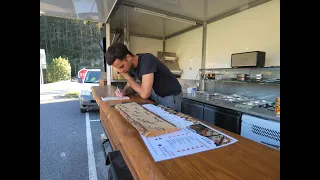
{"type": "Point", "coordinates": [87, 103]}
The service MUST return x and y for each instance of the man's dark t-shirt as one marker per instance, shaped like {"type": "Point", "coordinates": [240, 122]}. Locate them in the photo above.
{"type": "Point", "coordinates": [165, 83]}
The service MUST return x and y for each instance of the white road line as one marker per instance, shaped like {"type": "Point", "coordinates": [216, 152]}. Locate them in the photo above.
{"type": "Point", "coordinates": [95, 120]}
{"type": "Point", "coordinates": [91, 159]}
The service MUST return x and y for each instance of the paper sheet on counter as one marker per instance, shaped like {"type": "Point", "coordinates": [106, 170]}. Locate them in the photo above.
{"type": "Point", "coordinates": [190, 139]}
{"type": "Point", "coordinates": [114, 98]}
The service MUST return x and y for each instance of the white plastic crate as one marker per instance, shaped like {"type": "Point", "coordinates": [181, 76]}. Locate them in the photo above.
{"type": "Point", "coordinates": [263, 131]}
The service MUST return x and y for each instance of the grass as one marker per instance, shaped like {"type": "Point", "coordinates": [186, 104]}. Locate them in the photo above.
{"type": "Point", "coordinates": [71, 94]}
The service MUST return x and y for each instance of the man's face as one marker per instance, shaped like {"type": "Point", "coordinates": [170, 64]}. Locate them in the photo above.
{"type": "Point", "coordinates": [124, 65]}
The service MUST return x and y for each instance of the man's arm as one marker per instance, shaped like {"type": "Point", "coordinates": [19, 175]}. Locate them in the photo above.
{"type": "Point", "coordinates": [127, 89]}
{"type": "Point", "coordinates": [144, 90]}
{"type": "Point", "coordinates": [148, 67]}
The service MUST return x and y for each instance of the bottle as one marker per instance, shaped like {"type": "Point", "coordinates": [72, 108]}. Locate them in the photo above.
{"type": "Point", "coordinates": [277, 106]}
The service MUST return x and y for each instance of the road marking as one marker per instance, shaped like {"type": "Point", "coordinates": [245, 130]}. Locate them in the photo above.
{"type": "Point", "coordinates": [95, 120]}
{"type": "Point", "coordinates": [91, 159]}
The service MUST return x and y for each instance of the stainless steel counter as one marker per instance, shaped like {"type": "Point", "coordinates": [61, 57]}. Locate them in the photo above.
{"type": "Point", "coordinates": [256, 111]}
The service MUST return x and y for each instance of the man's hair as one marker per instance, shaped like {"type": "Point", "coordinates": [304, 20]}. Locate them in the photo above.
{"type": "Point", "coordinates": [116, 51]}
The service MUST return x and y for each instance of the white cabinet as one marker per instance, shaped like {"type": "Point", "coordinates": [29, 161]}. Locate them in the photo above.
{"type": "Point", "coordinates": [263, 131]}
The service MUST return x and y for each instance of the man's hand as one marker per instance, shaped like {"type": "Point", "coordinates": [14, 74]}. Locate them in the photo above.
{"type": "Point", "coordinates": [125, 75]}
{"type": "Point", "coordinates": [119, 94]}
{"type": "Point", "coordinates": [125, 91]}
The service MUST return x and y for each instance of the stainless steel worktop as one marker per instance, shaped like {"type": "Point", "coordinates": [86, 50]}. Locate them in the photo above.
{"type": "Point", "coordinates": [256, 111]}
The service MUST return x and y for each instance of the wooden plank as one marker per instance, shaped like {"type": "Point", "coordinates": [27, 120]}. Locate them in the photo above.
{"type": "Point", "coordinates": [146, 122]}
{"type": "Point", "coordinates": [106, 126]}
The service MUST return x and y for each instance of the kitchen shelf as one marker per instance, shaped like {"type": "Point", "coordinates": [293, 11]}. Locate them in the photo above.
{"type": "Point", "coordinates": [271, 75]}
{"type": "Point", "coordinates": [238, 81]}
{"type": "Point", "coordinates": [277, 68]}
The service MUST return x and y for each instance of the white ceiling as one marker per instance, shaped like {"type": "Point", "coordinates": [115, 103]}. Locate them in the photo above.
{"type": "Point", "coordinates": [99, 11]}
{"type": "Point", "coordinates": [195, 8]}
{"type": "Point", "coordinates": [142, 23]}
{"type": "Point", "coordinates": [92, 10]}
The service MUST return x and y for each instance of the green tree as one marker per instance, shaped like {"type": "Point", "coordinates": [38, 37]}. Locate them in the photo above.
{"type": "Point", "coordinates": [76, 40]}
{"type": "Point", "coordinates": [59, 69]}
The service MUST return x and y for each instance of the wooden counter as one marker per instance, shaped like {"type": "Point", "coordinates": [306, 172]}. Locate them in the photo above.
{"type": "Point", "coordinates": [105, 91]}
{"type": "Point", "coordinates": [244, 159]}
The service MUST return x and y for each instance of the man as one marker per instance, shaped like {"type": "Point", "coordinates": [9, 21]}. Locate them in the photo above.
{"type": "Point", "coordinates": [156, 79]}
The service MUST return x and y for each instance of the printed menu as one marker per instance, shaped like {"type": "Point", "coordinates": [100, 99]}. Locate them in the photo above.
{"type": "Point", "coordinates": [190, 139]}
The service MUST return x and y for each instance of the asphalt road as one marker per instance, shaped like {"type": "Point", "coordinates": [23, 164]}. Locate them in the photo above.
{"type": "Point", "coordinates": [69, 141]}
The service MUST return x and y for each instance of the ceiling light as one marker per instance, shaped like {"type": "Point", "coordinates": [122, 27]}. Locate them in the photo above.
{"type": "Point", "coordinates": [164, 16]}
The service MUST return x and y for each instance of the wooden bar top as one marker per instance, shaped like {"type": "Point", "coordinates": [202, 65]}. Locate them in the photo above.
{"type": "Point", "coordinates": [244, 159]}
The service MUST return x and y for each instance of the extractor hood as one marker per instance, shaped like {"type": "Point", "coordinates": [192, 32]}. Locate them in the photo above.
{"type": "Point", "coordinates": [171, 61]}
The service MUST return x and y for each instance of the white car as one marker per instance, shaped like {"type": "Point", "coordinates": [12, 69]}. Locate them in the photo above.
{"type": "Point", "coordinates": [87, 102]}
